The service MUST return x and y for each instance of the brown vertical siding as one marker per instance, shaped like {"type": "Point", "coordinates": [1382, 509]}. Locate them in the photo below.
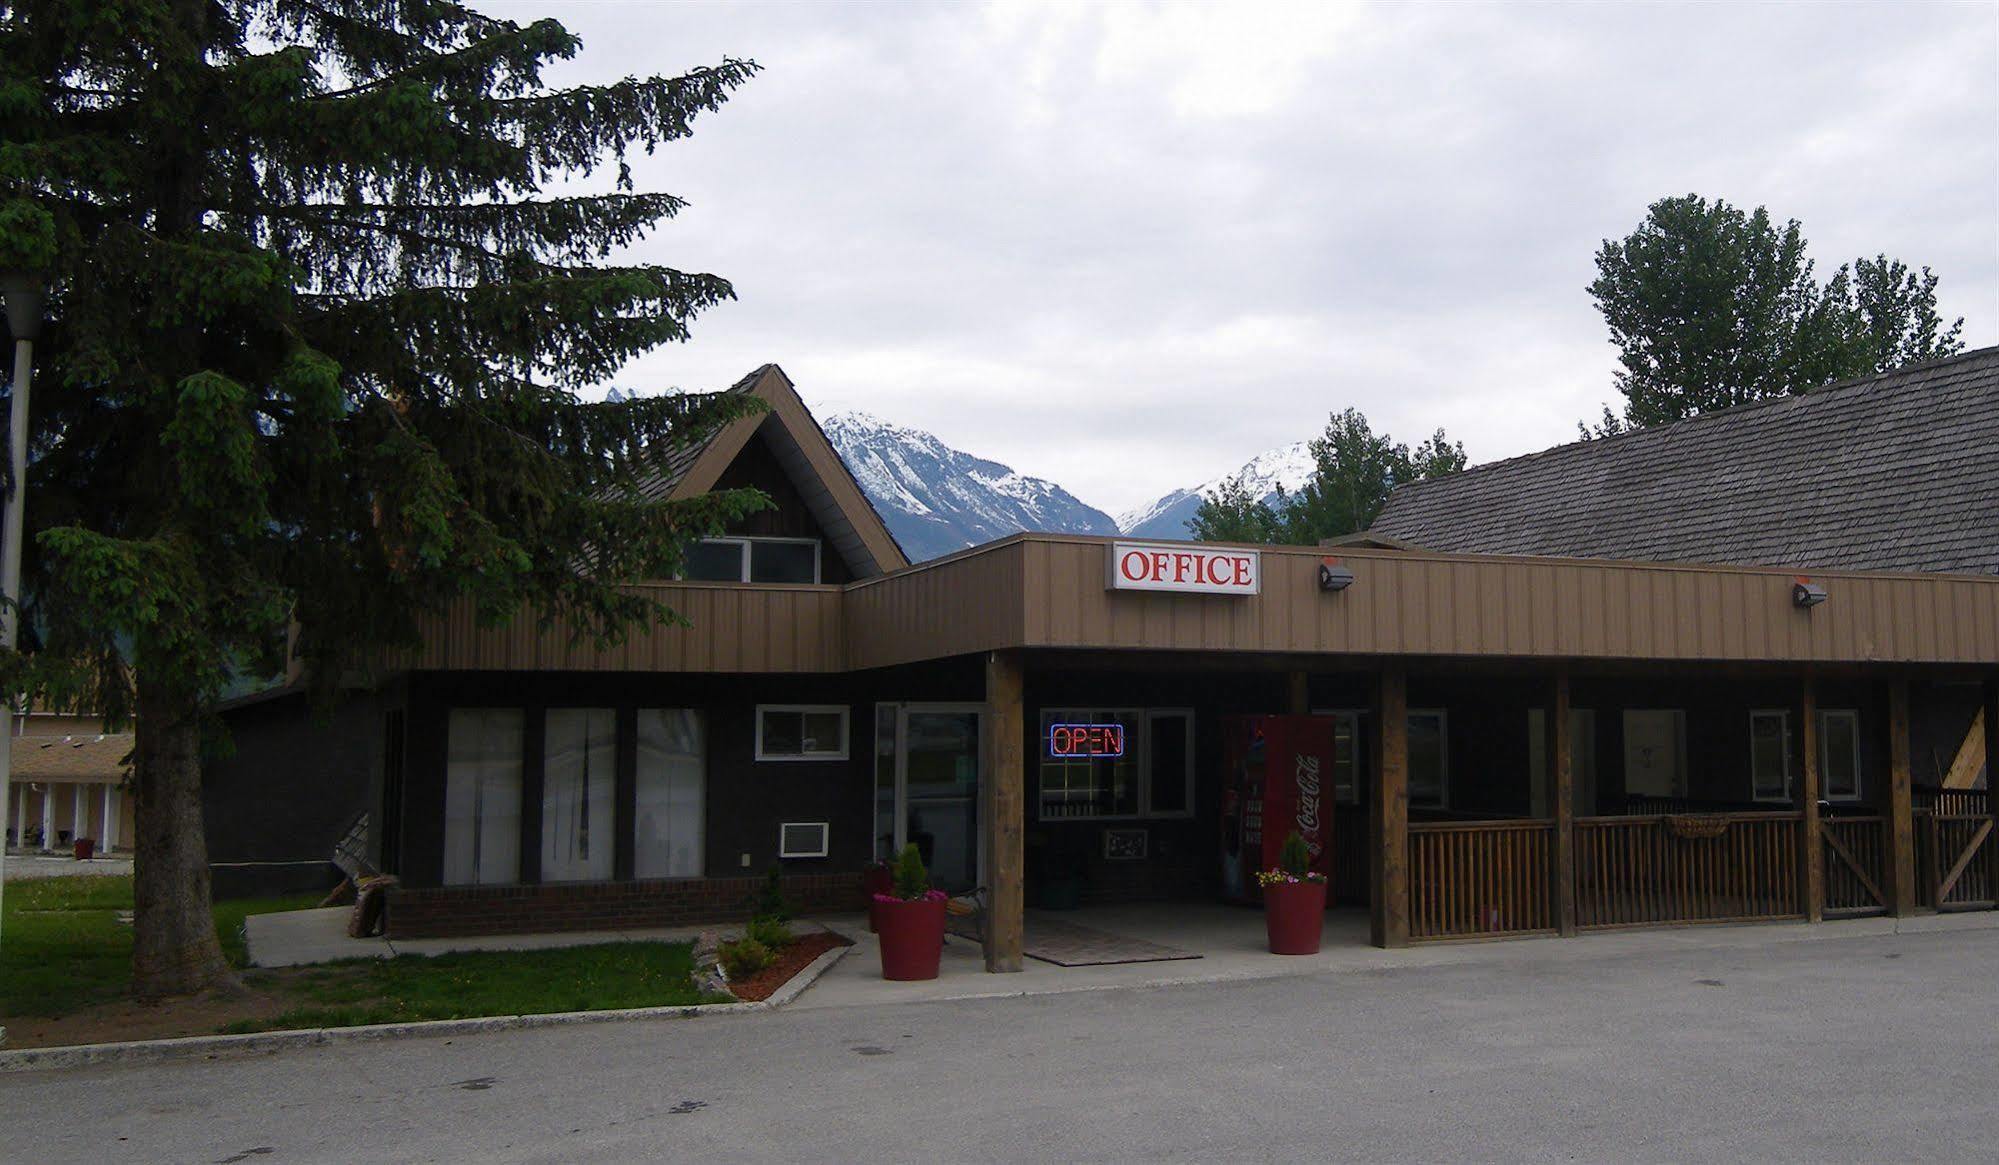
{"type": "Point", "coordinates": [1048, 591]}
{"type": "Point", "coordinates": [732, 628]}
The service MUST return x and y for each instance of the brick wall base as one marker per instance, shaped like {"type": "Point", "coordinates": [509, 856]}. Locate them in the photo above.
{"type": "Point", "coordinates": [457, 911]}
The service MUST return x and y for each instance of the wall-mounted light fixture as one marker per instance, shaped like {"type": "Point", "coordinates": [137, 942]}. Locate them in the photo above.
{"type": "Point", "coordinates": [1333, 576]}
{"type": "Point", "coordinates": [1806, 594]}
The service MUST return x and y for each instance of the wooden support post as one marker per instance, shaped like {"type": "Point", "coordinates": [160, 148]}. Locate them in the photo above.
{"type": "Point", "coordinates": [110, 817]}
{"type": "Point", "coordinates": [79, 811]}
{"type": "Point", "coordinates": [1301, 699]}
{"type": "Point", "coordinates": [1901, 817]}
{"type": "Point", "coordinates": [1003, 811]}
{"type": "Point", "coordinates": [1812, 868]}
{"type": "Point", "coordinates": [1562, 766]}
{"type": "Point", "coordinates": [48, 817]}
{"type": "Point", "coordinates": [1389, 814]}
{"type": "Point", "coordinates": [1989, 705]}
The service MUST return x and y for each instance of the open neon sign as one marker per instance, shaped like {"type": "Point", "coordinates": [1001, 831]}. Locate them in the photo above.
{"type": "Point", "coordinates": [1085, 740]}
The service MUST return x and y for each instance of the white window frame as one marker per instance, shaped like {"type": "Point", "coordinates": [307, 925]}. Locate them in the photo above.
{"type": "Point", "coordinates": [1850, 716]}
{"type": "Point", "coordinates": [825, 839]}
{"type": "Point", "coordinates": [1140, 719]}
{"type": "Point", "coordinates": [1443, 716]}
{"type": "Point", "coordinates": [745, 542]}
{"type": "Point", "coordinates": [846, 732]}
{"type": "Point", "coordinates": [1783, 716]}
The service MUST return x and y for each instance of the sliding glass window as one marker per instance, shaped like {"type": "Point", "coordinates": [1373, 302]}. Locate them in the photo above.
{"type": "Point", "coordinates": [578, 795]}
{"type": "Point", "coordinates": [482, 796]}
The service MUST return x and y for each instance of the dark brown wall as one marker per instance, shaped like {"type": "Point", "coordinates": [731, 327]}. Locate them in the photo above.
{"type": "Point", "coordinates": [745, 799]}
{"type": "Point", "coordinates": [756, 467]}
{"type": "Point", "coordinates": [279, 788]}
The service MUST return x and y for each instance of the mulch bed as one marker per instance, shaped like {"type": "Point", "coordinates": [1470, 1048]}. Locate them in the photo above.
{"type": "Point", "coordinates": [790, 961]}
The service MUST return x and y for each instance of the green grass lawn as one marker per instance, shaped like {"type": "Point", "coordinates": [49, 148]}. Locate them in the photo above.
{"type": "Point", "coordinates": [473, 983]}
{"type": "Point", "coordinates": [63, 950]}
{"type": "Point", "coordinates": [62, 947]}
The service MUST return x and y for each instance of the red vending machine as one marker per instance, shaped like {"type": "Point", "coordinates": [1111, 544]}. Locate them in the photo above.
{"type": "Point", "coordinates": [1276, 781]}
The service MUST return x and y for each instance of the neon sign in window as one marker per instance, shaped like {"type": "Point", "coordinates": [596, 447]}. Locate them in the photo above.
{"type": "Point", "coordinates": [1085, 740]}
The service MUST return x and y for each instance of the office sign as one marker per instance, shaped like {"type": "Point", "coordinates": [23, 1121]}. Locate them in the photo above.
{"type": "Point", "coordinates": [1183, 566]}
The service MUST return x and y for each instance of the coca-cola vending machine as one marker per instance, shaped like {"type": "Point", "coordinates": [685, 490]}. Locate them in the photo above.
{"type": "Point", "coordinates": [1278, 769]}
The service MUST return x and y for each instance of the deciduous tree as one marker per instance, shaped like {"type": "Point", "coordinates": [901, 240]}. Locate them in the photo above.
{"type": "Point", "coordinates": [1711, 307]}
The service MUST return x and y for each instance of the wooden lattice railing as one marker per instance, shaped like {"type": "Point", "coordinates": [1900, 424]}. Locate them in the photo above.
{"type": "Point", "coordinates": [1953, 862]}
{"type": "Point", "coordinates": [1855, 852]}
{"type": "Point", "coordinates": [1724, 867]}
{"type": "Point", "coordinates": [1470, 878]}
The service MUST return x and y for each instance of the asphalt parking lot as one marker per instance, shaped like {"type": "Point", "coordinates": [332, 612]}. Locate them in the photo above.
{"type": "Point", "coordinates": [1862, 1049]}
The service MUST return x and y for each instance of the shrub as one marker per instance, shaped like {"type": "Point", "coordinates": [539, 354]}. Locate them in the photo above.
{"type": "Point", "coordinates": [768, 900]}
{"type": "Point", "coordinates": [912, 881]}
{"type": "Point", "coordinates": [1292, 857]}
{"type": "Point", "coordinates": [744, 958]}
{"type": "Point", "coordinates": [769, 930]}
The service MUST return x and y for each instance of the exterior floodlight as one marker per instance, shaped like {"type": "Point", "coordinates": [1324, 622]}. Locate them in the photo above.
{"type": "Point", "coordinates": [1333, 576]}
{"type": "Point", "coordinates": [1807, 594]}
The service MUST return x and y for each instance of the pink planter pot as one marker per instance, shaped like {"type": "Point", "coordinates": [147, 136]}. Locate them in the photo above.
{"type": "Point", "coordinates": [1294, 914]}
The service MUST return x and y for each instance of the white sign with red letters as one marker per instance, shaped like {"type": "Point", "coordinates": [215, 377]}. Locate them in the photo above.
{"type": "Point", "coordinates": [1183, 566]}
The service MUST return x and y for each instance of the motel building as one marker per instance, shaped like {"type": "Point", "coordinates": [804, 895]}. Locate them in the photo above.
{"type": "Point", "coordinates": [1510, 745]}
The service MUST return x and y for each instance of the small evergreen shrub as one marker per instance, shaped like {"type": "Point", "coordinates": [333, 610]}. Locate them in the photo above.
{"type": "Point", "coordinates": [1292, 857]}
{"type": "Point", "coordinates": [769, 930]}
{"type": "Point", "coordinates": [912, 881]}
{"type": "Point", "coordinates": [744, 958]}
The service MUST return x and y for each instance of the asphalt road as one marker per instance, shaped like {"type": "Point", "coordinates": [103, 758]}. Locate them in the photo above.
{"type": "Point", "coordinates": [1864, 1049]}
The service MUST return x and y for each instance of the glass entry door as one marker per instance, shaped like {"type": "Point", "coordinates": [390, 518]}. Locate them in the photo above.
{"type": "Point", "coordinates": [927, 759]}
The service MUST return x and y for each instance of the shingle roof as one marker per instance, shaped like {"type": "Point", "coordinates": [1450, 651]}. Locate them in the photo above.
{"type": "Point", "coordinates": [680, 460]}
{"type": "Point", "coordinates": [1892, 472]}
{"type": "Point", "coordinates": [87, 758]}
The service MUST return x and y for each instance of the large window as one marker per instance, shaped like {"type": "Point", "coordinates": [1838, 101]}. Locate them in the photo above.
{"type": "Point", "coordinates": [1429, 758]}
{"type": "Point", "coordinates": [801, 732]}
{"type": "Point", "coordinates": [1839, 754]}
{"type": "Point", "coordinates": [1770, 755]}
{"type": "Point", "coordinates": [761, 560]}
{"type": "Point", "coordinates": [1117, 762]}
{"type": "Point", "coordinates": [670, 811]}
{"type": "Point", "coordinates": [482, 796]}
{"type": "Point", "coordinates": [578, 791]}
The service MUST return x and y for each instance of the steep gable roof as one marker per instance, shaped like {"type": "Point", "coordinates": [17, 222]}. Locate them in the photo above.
{"type": "Point", "coordinates": [1892, 472]}
{"type": "Point", "coordinates": [823, 480]}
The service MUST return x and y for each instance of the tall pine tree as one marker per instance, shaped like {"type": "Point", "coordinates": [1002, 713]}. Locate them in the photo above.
{"type": "Point", "coordinates": [315, 336]}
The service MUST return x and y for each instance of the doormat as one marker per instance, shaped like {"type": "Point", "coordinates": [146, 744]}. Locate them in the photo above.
{"type": "Point", "coordinates": [1071, 944]}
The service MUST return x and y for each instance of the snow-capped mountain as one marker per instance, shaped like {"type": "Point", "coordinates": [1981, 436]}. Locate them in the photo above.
{"type": "Point", "coordinates": [937, 499]}
{"type": "Point", "coordinates": [1288, 467]}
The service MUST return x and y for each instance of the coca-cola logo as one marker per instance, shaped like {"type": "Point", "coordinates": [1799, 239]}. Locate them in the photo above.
{"type": "Point", "coordinates": [1307, 774]}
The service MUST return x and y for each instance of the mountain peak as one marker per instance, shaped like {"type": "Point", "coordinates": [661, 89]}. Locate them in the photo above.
{"type": "Point", "coordinates": [1287, 467]}
{"type": "Point", "coordinates": [937, 499]}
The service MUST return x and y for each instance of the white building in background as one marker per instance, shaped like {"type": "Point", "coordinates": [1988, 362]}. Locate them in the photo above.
{"type": "Point", "coordinates": [69, 782]}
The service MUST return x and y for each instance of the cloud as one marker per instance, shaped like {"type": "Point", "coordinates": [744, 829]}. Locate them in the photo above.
{"type": "Point", "coordinates": [1128, 246]}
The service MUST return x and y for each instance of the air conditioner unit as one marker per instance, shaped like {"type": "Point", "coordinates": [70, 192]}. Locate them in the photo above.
{"type": "Point", "coordinates": [802, 839]}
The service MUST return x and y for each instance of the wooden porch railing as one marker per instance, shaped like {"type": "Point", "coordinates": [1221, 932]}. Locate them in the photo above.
{"type": "Point", "coordinates": [1469, 878]}
{"type": "Point", "coordinates": [1855, 851]}
{"type": "Point", "coordinates": [1724, 867]}
{"type": "Point", "coordinates": [1953, 866]}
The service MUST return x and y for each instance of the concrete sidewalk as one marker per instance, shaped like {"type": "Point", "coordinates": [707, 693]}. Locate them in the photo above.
{"type": "Point", "coordinates": [31, 865]}
{"type": "Point", "coordinates": [297, 937]}
{"type": "Point", "coordinates": [1230, 941]}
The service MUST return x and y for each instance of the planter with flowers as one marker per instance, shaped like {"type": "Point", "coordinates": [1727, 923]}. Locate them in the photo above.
{"type": "Point", "coordinates": [1294, 901]}
{"type": "Point", "coordinates": [909, 919]}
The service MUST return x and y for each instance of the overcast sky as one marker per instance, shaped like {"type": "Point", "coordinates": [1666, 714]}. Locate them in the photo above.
{"type": "Point", "coordinates": [1126, 247]}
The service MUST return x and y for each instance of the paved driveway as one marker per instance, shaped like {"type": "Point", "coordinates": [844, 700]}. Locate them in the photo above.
{"type": "Point", "coordinates": [1854, 1049]}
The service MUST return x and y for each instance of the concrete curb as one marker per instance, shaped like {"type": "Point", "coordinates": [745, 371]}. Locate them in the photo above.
{"type": "Point", "coordinates": [213, 1047]}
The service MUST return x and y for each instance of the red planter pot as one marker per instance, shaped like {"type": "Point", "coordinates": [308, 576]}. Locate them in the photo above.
{"type": "Point", "coordinates": [83, 847]}
{"type": "Point", "coordinates": [912, 938]}
{"type": "Point", "coordinates": [875, 880]}
{"type": "Point", "coordinates": [1294, 913]}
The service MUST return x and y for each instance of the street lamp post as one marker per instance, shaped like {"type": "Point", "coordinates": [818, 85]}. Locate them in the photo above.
{"type": "Point", "coordinates": [24, 320]}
